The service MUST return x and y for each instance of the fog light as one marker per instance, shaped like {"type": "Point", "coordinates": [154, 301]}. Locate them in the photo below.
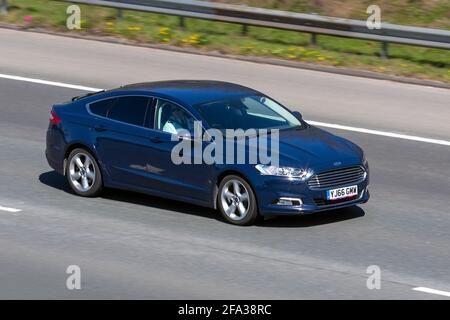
{"type": "Point", "coordinates": [289, 201]}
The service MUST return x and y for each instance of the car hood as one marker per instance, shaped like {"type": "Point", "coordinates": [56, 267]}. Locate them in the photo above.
{"type": "Point", "coordinates": [313, 146]}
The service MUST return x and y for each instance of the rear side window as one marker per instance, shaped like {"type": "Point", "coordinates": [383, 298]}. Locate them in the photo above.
{"type": "Point", "coordinates": [101, 107]}
{"type": "Point", "coordinates": [130, 110]}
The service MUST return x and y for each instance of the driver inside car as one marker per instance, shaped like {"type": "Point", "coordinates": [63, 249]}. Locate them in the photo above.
{"type": "Point", "coordinates": [177, 121]}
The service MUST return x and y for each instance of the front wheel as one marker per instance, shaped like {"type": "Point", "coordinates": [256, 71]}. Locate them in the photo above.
{"type": "Point", "coordinates": [83, 173]}
{"type": "Point", "coordinates": [236, 201]}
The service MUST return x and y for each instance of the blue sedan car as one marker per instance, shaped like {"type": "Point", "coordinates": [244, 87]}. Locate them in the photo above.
{"type": "Point", "coordinates": [124, 138]}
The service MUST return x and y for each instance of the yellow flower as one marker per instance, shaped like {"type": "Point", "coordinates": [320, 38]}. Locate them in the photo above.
{"type": "Point", "coordinates": [164, 31]}
{"type": "Point", "coordinates": [194, 39]}
{"type": "Point", "coordinates": [134, 28]}
{"type": "Point", "coordinates": [291, 56]}
{"type": "Point", "coordinates": [321, 58]}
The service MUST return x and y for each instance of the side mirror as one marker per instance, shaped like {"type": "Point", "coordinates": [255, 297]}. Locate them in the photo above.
{"type": "Point", "coordinates": [298, 115]}
{"type": "Point", "coordinates": [207, 137]}
{"type": "Point", "coordinates": [184, 135]}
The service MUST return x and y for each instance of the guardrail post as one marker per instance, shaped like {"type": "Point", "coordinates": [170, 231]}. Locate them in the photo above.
{"type": "Point", "coordinates": [313, 39]}
{"type": "Point", "coordinates": [384, 50]}
{"type": "Point", "coordinates": [181, 22]}
{"type": "Point", "coordinates": [4, 9]}
{"type": "Point", "coordinates": [304, 23]}
{"type": "Point", "coordinates": [244, 31]}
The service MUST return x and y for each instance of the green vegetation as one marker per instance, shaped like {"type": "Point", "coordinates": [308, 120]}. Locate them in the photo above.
{"type": "Point", "coordinates": [227, 38]}
{"type": "Point", "coordinates": [425, 13]}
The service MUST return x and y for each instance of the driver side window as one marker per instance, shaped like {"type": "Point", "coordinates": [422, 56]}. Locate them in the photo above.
{"type": "Point", "coordinates": [171, 118]}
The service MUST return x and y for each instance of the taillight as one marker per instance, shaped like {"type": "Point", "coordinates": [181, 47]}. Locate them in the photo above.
{"type": "Point", "coordinates": [54, 119]}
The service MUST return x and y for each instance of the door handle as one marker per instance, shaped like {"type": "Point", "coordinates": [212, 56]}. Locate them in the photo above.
{"type": "Point", "coordinates": [100, 128]}
{"type": "Point", "coordinates": [155, 139]}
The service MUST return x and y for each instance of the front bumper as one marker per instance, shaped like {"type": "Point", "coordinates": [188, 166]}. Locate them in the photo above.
{"type": "Point", "coordinates": [308, 208]}
{"type": "Point", "coordinates": [269, 189]}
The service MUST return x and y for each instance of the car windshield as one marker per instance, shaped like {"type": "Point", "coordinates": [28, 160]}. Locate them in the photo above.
{"type": "Point", "coordinates": [246, 112]}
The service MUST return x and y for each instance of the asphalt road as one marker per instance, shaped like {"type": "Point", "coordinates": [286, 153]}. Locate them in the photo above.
{"type": "Point", "coordinates": [130, 245]}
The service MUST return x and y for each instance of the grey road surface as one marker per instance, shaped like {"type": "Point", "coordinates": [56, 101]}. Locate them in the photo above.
{"type": "Point", "coordinates": [367, 103]}
{"type": "Point", "coordinates": [130, 245]}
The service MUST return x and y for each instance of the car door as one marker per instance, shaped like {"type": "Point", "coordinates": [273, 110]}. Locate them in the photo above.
{"type": "Point", "coordinates": [185, 180]}
{"type": "Point", "coordinates": [122, 139]}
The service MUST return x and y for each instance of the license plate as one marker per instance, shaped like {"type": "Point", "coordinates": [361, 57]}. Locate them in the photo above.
{"type": "Point", "coordinates": [341, 193]}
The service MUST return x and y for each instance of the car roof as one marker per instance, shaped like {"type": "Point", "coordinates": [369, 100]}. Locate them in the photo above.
{"type": "Point", "coordinates": [192, 91]}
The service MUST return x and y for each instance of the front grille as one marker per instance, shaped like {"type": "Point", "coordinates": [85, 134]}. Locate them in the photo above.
{"type": "Point", "coordinates": [336, 178]}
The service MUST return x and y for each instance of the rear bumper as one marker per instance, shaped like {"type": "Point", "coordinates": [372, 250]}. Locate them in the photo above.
{"type": "Point", "coordinates": [54, 151]}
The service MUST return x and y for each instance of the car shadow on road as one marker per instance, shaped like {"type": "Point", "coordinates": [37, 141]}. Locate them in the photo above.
{"type": "Point", "coordinates": [57, 181]}
{"type": "Point", "coordinates": [314, 219]}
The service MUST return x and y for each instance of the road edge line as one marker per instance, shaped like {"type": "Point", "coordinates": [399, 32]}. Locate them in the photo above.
{"type": "Point", "coordinates": [432, 291]}
{"type": "Point", "coordinates": [316, 123]}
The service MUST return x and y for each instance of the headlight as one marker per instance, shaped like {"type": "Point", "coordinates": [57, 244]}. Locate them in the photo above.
{"type": "Point", "coordinates": [289, 172]}
{"type": "Point", "coordinates": [365, 162]}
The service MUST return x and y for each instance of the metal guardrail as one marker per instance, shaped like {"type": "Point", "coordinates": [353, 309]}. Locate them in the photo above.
{"type": "Point", "coordinates": [4, 7]}
{"type": "Point", "coordinates": [307, 23]}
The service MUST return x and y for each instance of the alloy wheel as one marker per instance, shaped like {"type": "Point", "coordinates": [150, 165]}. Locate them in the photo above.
{"type": "Point", "coordinates": [235, 200]}
{"type": "Point", "coordinates": [82, 172]}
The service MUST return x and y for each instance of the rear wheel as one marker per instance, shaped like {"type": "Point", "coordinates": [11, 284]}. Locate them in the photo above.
{"type": "Point", "coordinates": [83, 173]}
{"type": "Point", "coordinates": [236, 201]}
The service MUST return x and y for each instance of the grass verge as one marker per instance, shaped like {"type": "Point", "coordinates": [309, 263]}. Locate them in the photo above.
{"type": "Point", "coordinates": [407, 61]}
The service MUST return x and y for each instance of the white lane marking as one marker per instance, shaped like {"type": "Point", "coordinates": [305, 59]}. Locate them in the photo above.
{"type": "Point", "coordinates": [13, 210]}
{"type": "Point", "coordinates": [432, 291]}
{"type": "Point", "coordinates": [380, 133]}
{"type": "Point", "coordinates": [316, 123]}
{"type": "Point", "coordinates": [49, 83]}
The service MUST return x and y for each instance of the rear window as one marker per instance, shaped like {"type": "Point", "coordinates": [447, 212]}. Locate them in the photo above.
{"type": "Point", "coordinates": [130, 110]}
{"type": "Point", "coordinates": [101, 107]}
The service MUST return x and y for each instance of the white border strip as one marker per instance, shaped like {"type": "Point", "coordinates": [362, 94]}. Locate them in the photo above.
{"type": "Point", "coordinates": [316, 123]}
{"type": "Point", "coordinates": [432, 291]}
{"type": "Point", "coordinates": [9, 209]}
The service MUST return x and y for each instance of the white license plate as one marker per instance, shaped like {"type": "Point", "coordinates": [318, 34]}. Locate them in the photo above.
{"type": "Point", "coordinates": [341, 193]}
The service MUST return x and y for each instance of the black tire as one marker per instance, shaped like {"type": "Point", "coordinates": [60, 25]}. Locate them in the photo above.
{"type": "Point", "coordinates": [251, 214]}
{"type": "Point", "coordinates": [96, 185]}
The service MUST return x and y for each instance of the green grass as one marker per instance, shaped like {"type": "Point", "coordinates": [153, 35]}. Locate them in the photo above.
{"type": "Point", "coordinates": [227, 38]}
{"type": "Point", "coordinates": [426, 13]}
